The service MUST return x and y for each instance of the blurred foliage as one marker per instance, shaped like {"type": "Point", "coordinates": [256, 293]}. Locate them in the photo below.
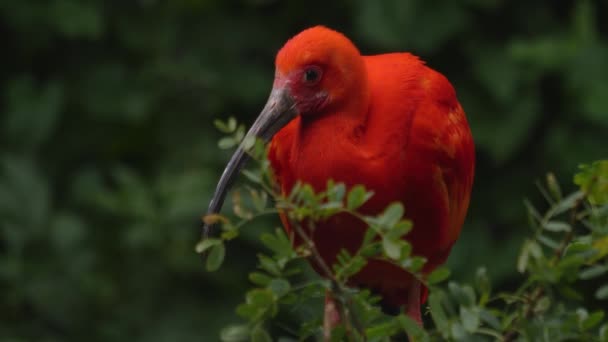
{"type": "Point", "coordinates": [108, 153]}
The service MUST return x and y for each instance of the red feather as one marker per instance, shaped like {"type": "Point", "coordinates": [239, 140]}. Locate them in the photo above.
{"type": "Point", "coordinates": [396, 127]}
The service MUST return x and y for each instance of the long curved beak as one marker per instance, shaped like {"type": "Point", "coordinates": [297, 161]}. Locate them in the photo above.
{"type": "Point", "coordinates": [278, 111]}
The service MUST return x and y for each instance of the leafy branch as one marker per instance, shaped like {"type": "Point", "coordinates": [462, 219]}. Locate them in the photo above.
{"type": "Point", "coordinates": [568, 245]}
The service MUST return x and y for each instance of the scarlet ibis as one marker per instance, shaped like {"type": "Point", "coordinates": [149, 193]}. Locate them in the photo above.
{"type": "Point", "coordinates": [386, 121]}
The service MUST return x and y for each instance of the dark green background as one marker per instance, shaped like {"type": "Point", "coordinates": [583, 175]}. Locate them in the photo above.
{"type": "Point", "coordinates": [109, 156]}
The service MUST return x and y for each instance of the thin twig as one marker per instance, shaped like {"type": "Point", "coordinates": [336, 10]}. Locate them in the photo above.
{"type": "Point", "coordinates": [538, 292]}
{"type": "Point", "coordinates": [344, 307]}
{"type": "Point", "coordinates": [573, 216]}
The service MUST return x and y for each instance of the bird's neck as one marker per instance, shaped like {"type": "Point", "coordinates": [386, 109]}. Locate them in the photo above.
{"type": "Point", "coordinates": [342, 116]}
{"type": "Point", "coordinates": [339, 128]}
{"type": "Point", "coordinates": [328, 134]}
{"type": "Point", "coordinates": [339, 123]}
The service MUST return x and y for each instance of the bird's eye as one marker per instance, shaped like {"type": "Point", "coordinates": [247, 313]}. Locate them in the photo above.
{"type": "Point", "coordinates": [312, 75]}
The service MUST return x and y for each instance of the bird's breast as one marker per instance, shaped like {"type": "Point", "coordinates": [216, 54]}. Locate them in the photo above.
{"type": "Point", "coordinates": [337, 153]}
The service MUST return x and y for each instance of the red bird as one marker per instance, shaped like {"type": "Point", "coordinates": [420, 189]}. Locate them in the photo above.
{"type": "Point", "coordinates": [386, 121]}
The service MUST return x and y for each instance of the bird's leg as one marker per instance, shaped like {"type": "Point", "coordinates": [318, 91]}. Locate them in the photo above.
{"type": "Point", "coordinates": [413, 303]}
{"type": "Point", "coordinates": [331, 317]}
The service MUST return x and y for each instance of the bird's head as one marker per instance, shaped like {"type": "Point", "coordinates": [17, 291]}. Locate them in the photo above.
{"type": "Point", "coordinates": [316, 72]}
{"type": "Point", "coordinates": [319, 71]}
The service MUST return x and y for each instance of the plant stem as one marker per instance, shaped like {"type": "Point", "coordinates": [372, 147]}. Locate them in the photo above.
{"type": "Point", "coordinates": [539, 291]}
{"type": "Point", "coordinates": [344, 306]}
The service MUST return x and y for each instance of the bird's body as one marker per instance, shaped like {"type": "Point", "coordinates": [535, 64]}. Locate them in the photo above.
{"type": "Point", "coordinates": [388, 122]}
{"type": "Point", "coordinates": [410, 143]}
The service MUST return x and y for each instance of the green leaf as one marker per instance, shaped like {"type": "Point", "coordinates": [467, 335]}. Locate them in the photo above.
{"type": "Point", "coordinates": [329, 209]}
{"type": "Point", "coordinates": [399, 230]}
{"type": "Point", "coordinates": [308, 329]}
{"type": "Point", "coordinates": [578, 247]}
{"type": "Point", "coordinates": [592, 320]}
{"type": "Point", "coordinates": [372, 250]}
{"type": "Point", "coordinates": [392, 248]}
{"type": "Point", "coordinates": [335, 192]}
{"type": "Point", "coordinates": [581, 315]}
{"type": "Point", "coordinates": [259, 304]}
{"type": "Point", "coordinates": [438, 275]}
{"type": "Point", "coordinates": [226, 143]}
{"type": "Point", "coordinates": [533, 215]}
{"type": "Point", "coordinates": [412, 329]}
{"type": "Point", "coordinates": [482, 281]}
{"type": "Point", "coordinates": [593, 271]}
{"type": "Point", "coordinates": [204, 245]}
{"type": "Point", "coordinates": [259, 334]}
{"type": "Point", "coordinates": [603, 333]}
{"type": "Point", "coordinates": [437, 312]}
{"type": "Point", "coordinates": [593, 180]}
{"type": "Point", "coordinates": [602, 293]}
{"type": "Point", "coordinates": [259, 198]}
{"type": "Point", "coordinates": [542, 305]}
{"type": "Point", "coordinates": [229, 234]}
{"type": "Point", "coordinates": [569, 293]}
{"type": "Point", "coordinates": [535, 249]}
{"type": "Point", "coordinates": [252, 176]}
{"type": "Point", "coordinates": [260, 279]}
{"type": "Point", "coordinates": [268, 264]}
{"type": "Point", "coordinates": [220, 125]}
{"type": "Point", "coordinates": [357, 197]}
{"type": "Point", "coordinates": [370, 235]}
{"type": "Point", "coordinates": [547, 241]}
{"type": "Point", "coordinates": [414, 264]}
{"type": "Point", "coordinates": [306, 195]}
{"type": "Point", "coordinates": [279, 287]}
{"type": "Point", "coordinates": [248, 143]}
{"type": "Point", "coordinates": [391, 215]}
{"type": "Point", "coordinates": [523, 258]}
{"type": "Point", "coordinates": [215, 257]}
{"type": "Point", "coordinates": [271, 242]}
{"type": "Point", "coordinates": [553, 186]}
{"type": "Point", "coordinates": [235, 333]}
{"type": "Point", "coordinates": [281, 246]}
{"type": "Point", "coordinates": [295, 191]}
{"type": "Point", "coordinates": [469, 318]}
{"type": "Point", "coordinates": [239, 134]}
{"type": "Point", "coordinates": [463, 294]}
{"type": "Point", "coordinates": [228, 127]}
{"type": "Point", "coordinates": [557, 226]}
{"type": "Point", "coordinates": [567, 203]}
{"type": "Point", "coordinates": [385, 329]}
{"type": "Point", "coordinates": [470, 294]}
{"type": "Point", "coordinates": [338, 333]}
{"type": "Point", "coordinates": [406, 249]}
{"type": "Point", "coordinates": [529, 248]}
{"type": "Point", "coordinates": [232, 124]}
{"type": "Point", "coordinates": [490, 318]}
{"type": "Point", "coordinates": [349, 266]}
{"type": "Point", "coordinates": [457, 331]}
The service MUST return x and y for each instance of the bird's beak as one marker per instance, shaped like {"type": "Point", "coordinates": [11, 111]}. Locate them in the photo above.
{"type": "Point", "coordinates": [278, 111]}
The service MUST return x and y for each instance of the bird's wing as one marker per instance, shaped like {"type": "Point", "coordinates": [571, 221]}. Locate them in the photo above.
{"type": "Point", "coordinates": [442, 138]}
{"type": "Point", "coordinates": [422, 129]}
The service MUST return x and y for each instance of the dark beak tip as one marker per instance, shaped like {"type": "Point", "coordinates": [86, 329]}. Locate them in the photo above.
{"type": "Point", "coordinates": [209, 231]}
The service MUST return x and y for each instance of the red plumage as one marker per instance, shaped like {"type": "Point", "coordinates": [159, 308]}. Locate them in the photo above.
{"type": "Point", "coordinates": [390, 123]}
